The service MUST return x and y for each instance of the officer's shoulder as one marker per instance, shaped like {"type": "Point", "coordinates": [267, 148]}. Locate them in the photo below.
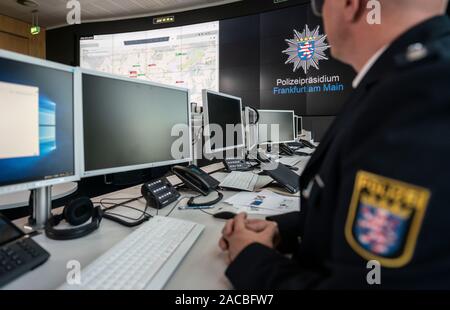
{"type": "Point", "coordinates": [421, 67]}
{"type": "Point", "coordinates": [423, 56]}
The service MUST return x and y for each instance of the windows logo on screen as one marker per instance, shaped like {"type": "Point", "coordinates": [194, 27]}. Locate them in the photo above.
{"type": "Point", "coordinates": [47, 125]}
{"type": "Point", "coordinates": [306, 49]}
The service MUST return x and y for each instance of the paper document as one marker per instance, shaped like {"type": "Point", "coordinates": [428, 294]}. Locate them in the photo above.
{"type": "Point", "coordinates": [265, 202]}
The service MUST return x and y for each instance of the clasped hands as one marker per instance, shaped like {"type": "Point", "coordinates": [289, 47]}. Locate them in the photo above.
{"type": "Point", "coordinates": [241, 232]}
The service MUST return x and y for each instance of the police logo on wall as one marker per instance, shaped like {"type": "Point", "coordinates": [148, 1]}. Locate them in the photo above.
{"type": "Point", "coordinates": [306, 49]}
{"type": "Point", "coordinates": [385, 218]}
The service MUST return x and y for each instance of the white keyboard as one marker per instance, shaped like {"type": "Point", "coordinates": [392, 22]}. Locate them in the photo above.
{"type": "Point", "coordinates": [144, 260]}
{"type": "Point", "coordinates": [244, 181]}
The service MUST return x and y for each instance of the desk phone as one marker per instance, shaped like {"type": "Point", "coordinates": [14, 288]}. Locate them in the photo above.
{"type": "Point", "coordinates": [18, 253]}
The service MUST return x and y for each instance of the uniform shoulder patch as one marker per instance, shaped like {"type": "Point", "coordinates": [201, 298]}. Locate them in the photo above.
{"type": "Point", "coordinates": [385, 218]}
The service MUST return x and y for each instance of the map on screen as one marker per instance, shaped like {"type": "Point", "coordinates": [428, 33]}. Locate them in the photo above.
{"type": "Point", "coordinates": [185, 56]}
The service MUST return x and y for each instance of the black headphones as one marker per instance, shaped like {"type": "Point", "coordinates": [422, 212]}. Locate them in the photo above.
{"type": "Point", "coordinates": [76, 213]}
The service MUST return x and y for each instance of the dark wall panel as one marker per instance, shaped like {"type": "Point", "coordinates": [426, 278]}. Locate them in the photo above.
{"type": "Point", "coordinates": [239, 60]}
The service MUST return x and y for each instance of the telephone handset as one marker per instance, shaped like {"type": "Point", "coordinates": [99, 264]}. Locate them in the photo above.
{"type": "Point", "coordinates": [262, 158]}
{"type": "Point", "coordinates": [286, 150]}
{"type": "Point", "coordinates": [308, 144]}
{"type": "Point", "coordinates": [196, 179]}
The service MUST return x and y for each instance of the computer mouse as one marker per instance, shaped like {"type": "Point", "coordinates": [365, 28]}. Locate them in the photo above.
{"type": "Point", "coordinates": [224, 215]}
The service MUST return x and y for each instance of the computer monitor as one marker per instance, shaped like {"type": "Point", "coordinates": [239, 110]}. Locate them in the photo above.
{"type": "Point", "coordinates": [37, 123]}
{"type": "Point", "coordinates": [222, 112]}
{"type": "Point", "coordinates": [299, 124]}
{"type": "Point", "coordinates": [276, 126]}
{"type": "Point", "coordinates": [251, 129]}
{"type": "Point", "coordinates": [130, 124]}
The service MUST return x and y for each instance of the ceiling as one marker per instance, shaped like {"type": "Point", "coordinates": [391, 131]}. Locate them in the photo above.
{"type": "Point", "coordinates": [52, 13]}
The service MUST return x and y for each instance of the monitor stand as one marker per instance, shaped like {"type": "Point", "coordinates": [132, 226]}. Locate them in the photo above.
{"type": "Point", "coordinates": [41, 201]}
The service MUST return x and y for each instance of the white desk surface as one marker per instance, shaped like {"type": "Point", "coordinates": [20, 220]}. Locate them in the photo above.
{"type": "Point", "coordinates": [20, 199]}
{"type": "Point", "coordinates": [203, 267]}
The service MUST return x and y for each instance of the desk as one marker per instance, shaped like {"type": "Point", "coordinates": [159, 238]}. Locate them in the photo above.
{"type": "Point", "coordinates": [203, 267]}
{"type": "Point", "coordinates": [20, 199]}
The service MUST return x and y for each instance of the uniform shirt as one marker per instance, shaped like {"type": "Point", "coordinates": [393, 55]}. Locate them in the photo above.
{"type": "Point", "coordinates": [376, 190]}
{"type": "Point", "coordinates": [366, 68]}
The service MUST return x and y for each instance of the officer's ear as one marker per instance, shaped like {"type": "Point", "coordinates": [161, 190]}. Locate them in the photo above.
{"type": "Point", "coordinates": [445, 6]}
{"type": "Point", "coordinates": [354, 10]}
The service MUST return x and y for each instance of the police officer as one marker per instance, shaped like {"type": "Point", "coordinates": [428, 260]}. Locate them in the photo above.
{"type": "Point", "coordinates": [376, 193]}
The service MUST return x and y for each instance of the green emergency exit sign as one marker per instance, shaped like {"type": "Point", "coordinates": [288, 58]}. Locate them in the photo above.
{"type": "Point", "coordinates": [35, 30]}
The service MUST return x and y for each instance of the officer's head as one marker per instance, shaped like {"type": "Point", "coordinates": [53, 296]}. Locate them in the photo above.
{"type": "Point", "coordinates": [350, 26]}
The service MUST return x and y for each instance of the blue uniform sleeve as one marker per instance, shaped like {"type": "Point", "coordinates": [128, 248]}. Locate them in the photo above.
{"type": "Point", "coordinates": [288, 225]}
{"type": "Point", "coordinates": [259, 267]}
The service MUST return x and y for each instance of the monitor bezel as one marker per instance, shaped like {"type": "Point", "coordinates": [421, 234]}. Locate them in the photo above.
{"type": "Point", "coordinates": [248, 132]}
{"type": "Point", "coordinates": [208, 149]}
{"type": "Point", "coordinates": [293, 126]}
{"type": "Point", "coordinates": [18, 187]}
{"type": "Point", "coordinates": [300, 130]}
{"type": "Point", "coordinates": [92, 173]}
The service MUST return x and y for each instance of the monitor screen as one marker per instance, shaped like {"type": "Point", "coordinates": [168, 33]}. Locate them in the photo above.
{"type": "Point", "coordinates": [223, 113]}
{"type": "Point", "coordinates": [130, 125]}
{"type": "Point", "coordinates": [186, 56]}
{"type": "Point", "coordinates": [36, 123]}
{"type": "Point", "coordinates": [276, 126]}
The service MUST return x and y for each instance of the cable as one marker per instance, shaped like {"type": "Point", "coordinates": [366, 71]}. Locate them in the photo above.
{"type": "Point", "coordinates": [206, 212]}
{"type": "Point", "coordinates": [115, 216]}
{"type": "Point", "coordinates": [115, 205]}
{"type": "Point", "coordinates": [127, 200]}
{"type": "Point", "coordinates": [177, 204]}
{"type": "Point", "coordinates": [124, 216]}
{"type": "Point", "coordinates": [117, 219]}
{"type": "Point", "coordinates": [106, 209]}
{"type": "Point", "coordinates": [195, 209]}
{"type": "Point", "coordinates": [209, 203]}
